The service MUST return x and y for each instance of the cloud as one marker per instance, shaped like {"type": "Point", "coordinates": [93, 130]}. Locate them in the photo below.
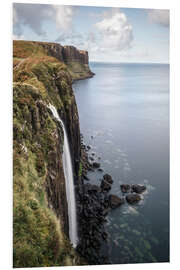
{"type": "Point", "coordinates": [34, 15]}
{"type": "Point", "coordinates": [63, 16]}
{"type": "Point", "coordinates": [112, 31]}
{"type": "Point", "coordinates": [17, 37]}
{"type": "Point", "coordinates": [31, 15]}
{"type": "Point", "coordinates": [15, 16]}
{"type": "Point", "coordinates": [115, 31]}
{"type": "Point", "coordinates": [159, 16]}
{"type": "Point", "coordinates": [85, 41]}
{"type": "Point", "coordinates": [69, 36]}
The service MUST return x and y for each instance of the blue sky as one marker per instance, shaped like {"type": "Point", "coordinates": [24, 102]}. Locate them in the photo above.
{"type": "Point", "coordinates": [109, 34]}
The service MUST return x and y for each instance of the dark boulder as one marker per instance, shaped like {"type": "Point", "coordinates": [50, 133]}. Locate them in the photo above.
{"type": "Point", "coordinates": [100, 170]}
{"type": "Point", "coordinates": [125, 188]}
{"type": "Point", "coordinates": [115, 201]}
{"type": "Point", "coordinates": [96, 164]}
{"type": "Point", "coordinates": [108, 178]}
{"type": "Point", "coordinates": [105, 186]}
{"type": "Point", "coordinates": [138, 188]}
{"type": "Point", "coordinates": [133, 198]}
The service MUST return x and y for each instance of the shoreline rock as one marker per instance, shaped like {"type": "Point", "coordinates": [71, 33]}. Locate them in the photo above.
{"type": "Point", "coordinates": [138, 188]}
{"type": "Point", "coordinates": [125, 188]}
{"type": "Point", "coordinates": [133, 198]}
{"type": "Point", "coordinates": [92, 212]}
{"type": "Point", "coordinates": [115, 201]}
{"type": "Point", "coordinates": [105, 186]}
{"type": "Point", "coordinates": [96, 165]}
{"type": "Point", "coordinates": [108, 178]}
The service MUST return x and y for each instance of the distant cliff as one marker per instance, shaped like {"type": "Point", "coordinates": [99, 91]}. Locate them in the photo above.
{"type": "Point", "coordinates": [76, 60]}
{"type": "Point", "coordinates": [43, 75]}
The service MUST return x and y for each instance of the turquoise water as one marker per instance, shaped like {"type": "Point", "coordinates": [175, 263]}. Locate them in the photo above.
{"type": "Point", "coordinates": [125, 107]}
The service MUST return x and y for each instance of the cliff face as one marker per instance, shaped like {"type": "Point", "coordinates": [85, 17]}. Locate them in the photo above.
{"type": "Point", "coordinates": [42, 77]}
{"type": "Point", "coordinates": [76, 60]}
{"type": "Point", "coordinates": [70, 53]}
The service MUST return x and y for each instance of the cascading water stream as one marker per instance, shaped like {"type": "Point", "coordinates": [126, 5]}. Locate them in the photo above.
{"type": "Point", "coordinates": [68, 173]}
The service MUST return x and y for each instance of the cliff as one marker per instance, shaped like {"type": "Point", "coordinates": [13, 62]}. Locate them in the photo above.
{"type": "Point", "coordinates": [43, 74]}
{"type": "Point", "coordinates": [76, 60]}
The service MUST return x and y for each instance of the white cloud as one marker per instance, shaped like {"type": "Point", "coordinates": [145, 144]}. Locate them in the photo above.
{"type": "Point", "coordinates": [112, 31]}
{"type": "Point", "coordinates": [63, 16]}
{"type": "Point", "coordinates": [116, 32]}
{"type": "Point", "coordinates": [34, 15]}
{"type": "Point", "coordinates": [159, 16]}
{"type": "Point", "coordinates": [15, 16]}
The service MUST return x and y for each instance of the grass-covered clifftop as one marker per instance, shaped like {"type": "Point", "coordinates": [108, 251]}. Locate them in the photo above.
{"type": "Point", "coordinates": [40, 225]}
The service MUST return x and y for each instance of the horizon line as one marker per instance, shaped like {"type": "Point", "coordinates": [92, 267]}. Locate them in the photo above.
{"type": "Point", "coordinates": [109, 62]}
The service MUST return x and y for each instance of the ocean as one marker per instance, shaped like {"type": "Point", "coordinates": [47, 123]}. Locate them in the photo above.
{"type": "Point", "coordinates": [124, 117]}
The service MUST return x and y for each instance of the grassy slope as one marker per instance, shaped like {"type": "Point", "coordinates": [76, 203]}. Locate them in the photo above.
{"type": "Point", "coordinates": [38, 237]}
{"type": "Point", "coordinates": [77, 70]}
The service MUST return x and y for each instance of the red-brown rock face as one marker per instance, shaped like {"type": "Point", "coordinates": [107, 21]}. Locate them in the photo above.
{"type": "Point", "coordinates": [84, 57]}
{"type": "Point", "coordinates": [66, 53]}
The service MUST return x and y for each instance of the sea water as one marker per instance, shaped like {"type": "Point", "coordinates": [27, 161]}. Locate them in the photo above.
{"type": "Point", "coordinates": [124, 117]}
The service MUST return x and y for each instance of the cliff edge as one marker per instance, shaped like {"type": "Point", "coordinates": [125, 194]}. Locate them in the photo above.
{"type": "Point", "coordinates": [43, 74]}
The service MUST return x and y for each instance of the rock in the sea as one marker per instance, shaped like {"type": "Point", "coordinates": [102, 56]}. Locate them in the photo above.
{"type": "Point", "coordinates": [125, 188]}
{"type": "Point", "coordinates": [133, 198]}
{"type": "Point", "coordinates": [138, 188]}
{"type": "Point", "coordinates": [100, 170]}
{"type": "Point", "coordinates": [88, 147]}
{"type": "Point", "coordinates": [96, 164]}
{"type": "Point", "coordinates": [108, 178]}
{"type": "Point", "coordinates": [115, 201]}
{"type": "Point", "coordinates": [105, 186]}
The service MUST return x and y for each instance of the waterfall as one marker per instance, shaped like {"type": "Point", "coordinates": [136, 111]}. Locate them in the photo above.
{"type": "Point", "coordinates": [68, 173]}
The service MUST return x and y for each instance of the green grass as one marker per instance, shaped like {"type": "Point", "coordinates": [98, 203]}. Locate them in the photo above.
{"type": "Point", "coordinates": [77, 70]}
{"type": "Point", "coordinates": [80, 169]}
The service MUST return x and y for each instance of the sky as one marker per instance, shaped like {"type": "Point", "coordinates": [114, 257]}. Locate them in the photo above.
{"type": "Point", "coordinates": [108, 34]}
